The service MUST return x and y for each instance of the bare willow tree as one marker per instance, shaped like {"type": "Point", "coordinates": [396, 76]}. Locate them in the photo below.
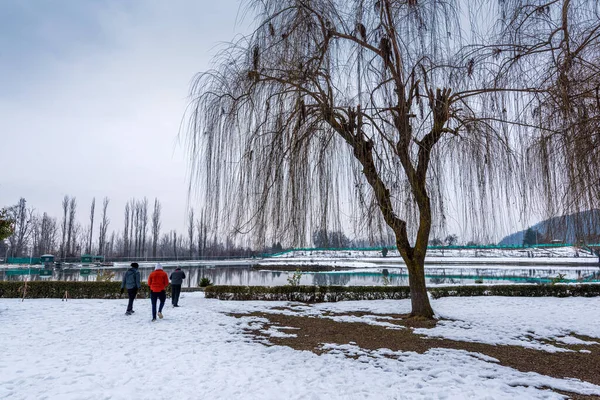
{"type": "Point", "coordinates": [384, 109]}
{"type": "Point", "coordinates": [564, 155]}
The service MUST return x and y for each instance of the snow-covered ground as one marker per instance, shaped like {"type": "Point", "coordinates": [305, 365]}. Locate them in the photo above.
{"type": "Point", "coordinates": [87, 349]}
{"type": "Point", "coordinates": [530, 252]}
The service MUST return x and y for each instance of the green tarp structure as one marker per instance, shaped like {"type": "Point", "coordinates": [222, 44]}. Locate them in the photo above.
{"type": "Point", "coordinates": [88, 259]}
{"type": "Point", "coordinates": [23, 260]}
{"type": "Point", "coordinates": [23, 271]}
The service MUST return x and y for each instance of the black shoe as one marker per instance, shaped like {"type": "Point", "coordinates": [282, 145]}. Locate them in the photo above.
{"type": "Point", "coordinates": [132, 311]}
{"type": "Point", "coordinates": [128, 312]}
{"type": "Point", "coordinates": [153, 319]}
{"type": "Point", "coordinates": [175, 305]}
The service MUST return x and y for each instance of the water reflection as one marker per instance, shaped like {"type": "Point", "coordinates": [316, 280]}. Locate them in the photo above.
{"type": "Point", "coordinates": [244, 275]}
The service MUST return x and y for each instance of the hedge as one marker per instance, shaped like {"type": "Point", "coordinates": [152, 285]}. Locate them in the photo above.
{"type": "Point", "coordinates": [75, 290]}
{"type": "Point", "coordinates": [315, 294]}
{"type": "Point", "coordinates": [307, 294]}
{"type": "Point", "coordinates": [591, 290]}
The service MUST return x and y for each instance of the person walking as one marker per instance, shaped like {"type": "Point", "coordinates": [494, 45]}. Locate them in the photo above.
{"type": "Point", "coordinates": [131, 282]}
{"type": "Point", "coordinates": [158, 281]}
{"type": "Point", "coordinates": [177, 278]}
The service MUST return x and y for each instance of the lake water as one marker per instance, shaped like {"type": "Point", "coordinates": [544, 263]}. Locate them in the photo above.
{"type": "Point", "coordinates": [245, 275]}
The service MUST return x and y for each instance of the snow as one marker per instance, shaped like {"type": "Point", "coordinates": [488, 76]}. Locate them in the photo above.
{"type": "Point", "coordinates": [514, 321]}
{"type": "Point", "coordinates": [87, 349]}
{"type": "Point", "coordinates": [566, 255]}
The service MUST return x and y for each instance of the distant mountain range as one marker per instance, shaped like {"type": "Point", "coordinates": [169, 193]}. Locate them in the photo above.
{"type": "Point", "coordinates": [567, 229]}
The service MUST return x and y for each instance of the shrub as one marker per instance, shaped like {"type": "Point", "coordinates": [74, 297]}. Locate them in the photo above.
{"type": "Point", "coordinates": [76, 290]}
{"type": "Point", "coordinates": [307, 294]}
{"type": "Point", "coordinates": [294, 280]}
{"type": "Point", "coordinates": [592, 290]}
{"type": "Point", "coordinates": [316, 294]}
{"type": "Point", "coordinates": [204, 282]}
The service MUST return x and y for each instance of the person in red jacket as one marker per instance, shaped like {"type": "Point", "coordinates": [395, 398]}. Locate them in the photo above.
{"type": "Point", "coordinates": [158, 281]}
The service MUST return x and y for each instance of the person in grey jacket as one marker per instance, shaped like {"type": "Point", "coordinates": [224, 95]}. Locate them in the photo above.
{"type": "Point", "coordinates": [177, 278]}
{"type": "Point", "coordinates": [131, 282]}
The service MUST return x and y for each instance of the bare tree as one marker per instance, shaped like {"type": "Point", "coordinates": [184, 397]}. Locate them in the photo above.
{"type": "Point", "coordinates": [175, 244]}
{"type": "Point", "coordinates": [79, 238]}
{"type": "Point", "coordinates": [132, 244]}
{"type": "Point", "coordinates": [191, 232]}
{"type": "Point", "coordinates": [45, 231]}
{"type": "Point", "coordinates": [103, 228]}
{"type": "Point", "coordinates": [563, 38]}
{"type": "Point", "coordinates": [201, 235]}
{"type": "Point", "coordinates": [387, 104]}
{"type": "Point", "coordinates": [144, 225]}
{"type": "Point", "coordinates": [65, 208]}
{"type": "Point", "coordinates": [88, 248]}
{"type": "Point", "coordinates": [112, 244]}
{"type": "Point", "coordinates": [36, 234]}
{"type": "Point", "coordinates": [155, 226]}
{"type": "Point", "coordinates": [126, 229]}
{"type": "Point", "coordinates": [23, 220]}
{"type": "Point", "coordinates": [71, 234]}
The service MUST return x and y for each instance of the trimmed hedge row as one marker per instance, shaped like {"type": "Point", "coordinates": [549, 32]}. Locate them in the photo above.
{"type": "Point", "coordinates": [591, 290]}
{"type": "Point", "coordinates": [75, 290]}
{"type": "Point", "coordinates": [307, 294]}
{"type": "Point", "coordinates": [316, 294]}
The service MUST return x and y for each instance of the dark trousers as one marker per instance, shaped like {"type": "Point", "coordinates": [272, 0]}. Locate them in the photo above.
{"type": "Point", "coordinates": [132, 293]}
{"type": "Point", "coordinates": [153, 297]}
{"type": "Point", "coordinates": [176, 291]}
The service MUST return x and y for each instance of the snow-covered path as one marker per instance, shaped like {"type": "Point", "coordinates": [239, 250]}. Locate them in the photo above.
{"type": "Point", "coordinates": [87, 349]}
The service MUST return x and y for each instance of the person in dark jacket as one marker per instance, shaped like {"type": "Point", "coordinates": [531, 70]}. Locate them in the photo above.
{"type": "Point", "coordinates": [131, 282]}
{"type": "Point", "coordinates": [177, 278]}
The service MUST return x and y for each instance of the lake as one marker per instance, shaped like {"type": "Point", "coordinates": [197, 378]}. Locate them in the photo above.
{"type": "Point", "coordinates": [397, 276]}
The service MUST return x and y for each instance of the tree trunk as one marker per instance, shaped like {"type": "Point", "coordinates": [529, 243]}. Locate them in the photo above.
{"type": "Point", "coordinates": [421, 307]}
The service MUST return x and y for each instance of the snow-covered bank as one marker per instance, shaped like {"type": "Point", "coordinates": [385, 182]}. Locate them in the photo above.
{"type": "Point", "coordinates": [566, 256]}
{"type": "Point", "coordinates": [87, 349]}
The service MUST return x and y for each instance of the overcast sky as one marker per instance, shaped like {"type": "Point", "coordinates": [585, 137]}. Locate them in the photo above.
{"type": "Point", "coordinates": [92, 94]}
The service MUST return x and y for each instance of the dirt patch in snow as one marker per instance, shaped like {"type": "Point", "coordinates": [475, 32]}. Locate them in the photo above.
{"type": "Point", "coordinates": [312, 332]}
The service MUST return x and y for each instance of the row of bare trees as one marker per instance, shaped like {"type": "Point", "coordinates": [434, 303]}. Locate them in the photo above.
{"type": "Point", "coordinates": [35, 234]}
